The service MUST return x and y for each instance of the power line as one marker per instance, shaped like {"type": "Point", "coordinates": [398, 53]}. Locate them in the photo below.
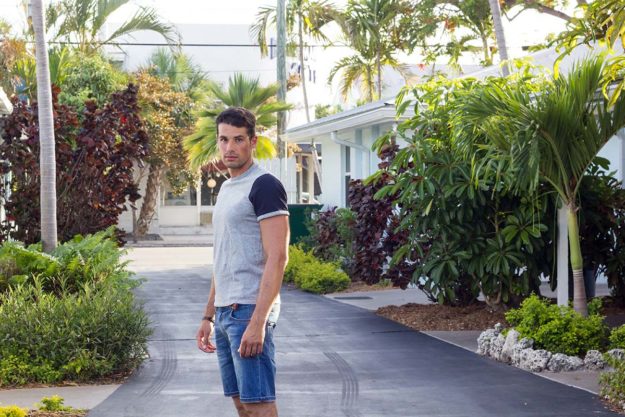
{"type": "Point", "coordinates": [225, 45]}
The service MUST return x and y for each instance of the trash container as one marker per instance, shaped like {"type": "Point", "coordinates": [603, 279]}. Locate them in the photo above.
{"type": "Point", "coordinates": [297, 220]}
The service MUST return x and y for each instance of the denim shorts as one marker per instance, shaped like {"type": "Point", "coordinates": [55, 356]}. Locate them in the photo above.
{"type": "Point", "coordinates": [251, 379]}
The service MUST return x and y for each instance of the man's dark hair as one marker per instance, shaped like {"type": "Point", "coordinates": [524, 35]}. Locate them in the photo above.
{"type": "Point", "coordinates": [238, 117]}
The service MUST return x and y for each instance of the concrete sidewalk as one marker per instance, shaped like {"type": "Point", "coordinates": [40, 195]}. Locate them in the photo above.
{"type": "Point", "coordinates": [334, 360]}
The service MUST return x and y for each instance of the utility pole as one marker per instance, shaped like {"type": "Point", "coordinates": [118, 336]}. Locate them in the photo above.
{"type": "Point", "coordinates": [281, 74]}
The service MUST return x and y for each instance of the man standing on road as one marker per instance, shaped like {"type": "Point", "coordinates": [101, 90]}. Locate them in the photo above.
{"type": "Point", "coordinates": [251, 227]}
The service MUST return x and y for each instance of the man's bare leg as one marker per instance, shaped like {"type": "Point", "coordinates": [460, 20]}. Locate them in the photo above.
{"type": "Point", "coordinates": [240, 407]}
{"type": "Point", "coordinates": [261, 409]}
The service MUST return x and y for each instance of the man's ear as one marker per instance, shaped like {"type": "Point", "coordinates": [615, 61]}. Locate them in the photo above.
{"type": "Point", "coordinates": [254, 140]}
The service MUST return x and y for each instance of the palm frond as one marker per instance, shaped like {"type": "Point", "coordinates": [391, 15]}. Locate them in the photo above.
{"type": "Point", "coordinates": [147, 19]}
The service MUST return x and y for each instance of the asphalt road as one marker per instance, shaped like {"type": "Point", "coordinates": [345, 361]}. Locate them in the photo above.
{"type": "Point", "coordinates": [334, 360]}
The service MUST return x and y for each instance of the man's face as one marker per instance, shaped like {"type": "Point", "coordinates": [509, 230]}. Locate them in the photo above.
{"type": "Point", "coordinates": [235, 146]}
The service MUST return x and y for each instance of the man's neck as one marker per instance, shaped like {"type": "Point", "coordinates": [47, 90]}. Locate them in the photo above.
{"type": "Point", "coordinates": [240, 171]}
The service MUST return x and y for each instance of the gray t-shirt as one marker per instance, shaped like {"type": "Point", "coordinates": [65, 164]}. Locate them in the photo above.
{"type": "Point", "coordinates": [243, 201]}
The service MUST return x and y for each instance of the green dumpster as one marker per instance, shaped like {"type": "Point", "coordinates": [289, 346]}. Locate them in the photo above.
{"type": "Point", "coordinates": [297, 220]}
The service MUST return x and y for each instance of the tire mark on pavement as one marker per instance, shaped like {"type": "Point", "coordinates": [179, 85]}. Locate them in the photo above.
{"type": "Point", "coordinates": [166, 373]}
{"type": "Point", "coordinates": [350, 391]}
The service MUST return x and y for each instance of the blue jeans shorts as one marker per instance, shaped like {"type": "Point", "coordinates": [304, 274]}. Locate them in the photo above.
{"type": "Point", "coordinates": [251, 379]}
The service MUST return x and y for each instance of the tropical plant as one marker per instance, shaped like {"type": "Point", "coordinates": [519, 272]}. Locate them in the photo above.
{"type": "Point", "coordinates": [552, 135]}
{"type": "Point", "coordinates": [304, 19]}
{"type": "Point", "coordinates": [47, 161]}
{"type": "Point", "coordinates": [12, 49]}
{"type": "Point", "coordinates": [371, 28]}
{"type": "Point", "coordinates": [461, 235]}
{"type": "Point", "coordinates": [87, 77]}
{"type": "Point", "coordinates": [95, 158]}
{"type": "Point", "coordinates": [167, 117]}
{"type": "Point", "coordinates": [24, 71]}
{"type": "Point", "coordinates": [463, 21]}
{"type": "Point", "coordinates": [83, 22]}
{"type": "Point", "coordinates": [602, 21]}
{"type": "Point", "coordinates": [241, 92]}
{"type": "Point", "coordinates": [182, 74]}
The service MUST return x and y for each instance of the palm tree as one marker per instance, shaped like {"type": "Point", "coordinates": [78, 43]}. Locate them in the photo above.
{"type": "Point", "coordinates": [552, 136]}
{"type": "Point", "coordinates": [183, 75]}
{"type": "Point", "coordinates": [46, 132]}
{"type": "Point", "coordinates": [371, 29]}
{"type": "Point", "coordinates": [363, 70]}
{"type": "Point", "coordinates": [83, 21]}
{"type": "Point", "coordinates": [304, 18]}
{"type": "Point", "coordinates": [241, 92]}
{"type": "Point", "coordinates": [500, 35]}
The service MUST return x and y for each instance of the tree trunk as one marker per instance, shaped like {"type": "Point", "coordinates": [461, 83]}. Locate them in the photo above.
{"type": "Point", "coordinates": [301, 64]}
{"type": "Point", "coordinates": [562, 272]}
{"type": "Point", "coordinates": [487, 59]}
{"type": "Point", "coordinates": [148, 208]}
{"type": "Point", "coordinates": [499, 34]}
{"type": "Point", "coordinates": [47, 159]}
{"type": "Point", "coordinates": [379, 65]}
{"type": "Point", "coordinates": [579, 291]}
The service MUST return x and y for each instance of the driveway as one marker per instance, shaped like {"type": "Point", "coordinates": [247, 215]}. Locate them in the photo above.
{"type": "Point", "coordinates": [334, 360]}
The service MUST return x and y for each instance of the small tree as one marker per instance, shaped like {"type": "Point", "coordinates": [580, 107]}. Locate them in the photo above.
{"type": "Point", "coordinates": [167, 119]}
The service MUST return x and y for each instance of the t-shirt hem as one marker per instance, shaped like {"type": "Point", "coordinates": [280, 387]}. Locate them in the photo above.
{"type": "Point", "coordinates": [273, 214]}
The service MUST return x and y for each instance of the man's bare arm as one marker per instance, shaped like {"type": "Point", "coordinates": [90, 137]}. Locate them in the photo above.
{"type": "Point", "coordinates": [206, 327]}
{"type": "Point", "coordinates": [274, 232]}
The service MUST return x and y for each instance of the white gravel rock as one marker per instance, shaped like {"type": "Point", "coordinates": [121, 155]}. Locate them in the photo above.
{"type": "Point", "coordinates": [534, 360]}
{"type": "Point", "coordinates": [594, 360]}
{"type": "Point", "coordinates": [496, 346]}
{"type": "Point", "coordinates": [508, 347]}
{"type": "Point", "coordinates": [484, 340]}
{"type": "Point", "coordinates": [617, 353]}
{"type": "Point", "coordinates": [560, 362]}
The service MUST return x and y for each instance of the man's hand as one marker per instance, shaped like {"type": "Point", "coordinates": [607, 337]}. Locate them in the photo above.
{"type": "Point", "coordinates": [252, 340]}
{"type": "Point", "coordinates": [203, 335]}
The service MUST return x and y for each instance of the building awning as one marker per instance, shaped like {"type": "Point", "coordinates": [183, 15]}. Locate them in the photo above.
{"type": "Point", "coordinates": [5, 104]}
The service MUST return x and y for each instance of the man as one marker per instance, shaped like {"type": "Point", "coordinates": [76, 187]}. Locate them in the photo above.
{"type": "Point", "coordinates": [251, 229]}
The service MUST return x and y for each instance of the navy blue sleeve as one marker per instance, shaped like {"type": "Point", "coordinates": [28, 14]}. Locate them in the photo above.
{"type": "Point", "coordinates": [268, 197]}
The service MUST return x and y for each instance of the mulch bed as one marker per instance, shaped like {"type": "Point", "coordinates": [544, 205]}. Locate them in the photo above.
{"type": "Point", "coordinates": [478, 316]}
{"type": "Point", "coordinates": [440, 317]}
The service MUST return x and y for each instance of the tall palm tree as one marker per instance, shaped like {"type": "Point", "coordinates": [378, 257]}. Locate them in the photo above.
{"type": "Point", "coordinates": [371, 29]}
{"type": "Point", "coordinates": [46, 132]}
{"type": "Point", "coordinates": [241, 92]}
{"type": "Point", "coordinates": [304, 19]}
{"type": "Point", "coordinates": [551, 136]}
{"type": "Point", "coordinates": [83, 22]}
{"type": "Point", "coordinates": [500, 35]}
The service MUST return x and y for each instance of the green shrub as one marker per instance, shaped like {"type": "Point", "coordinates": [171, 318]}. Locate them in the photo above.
{"type": "Point", "coordinates": [54, 403]}
{"type": "Point", "coordinates": [12, 411]}
{"type": "Point", "coordinates": [321, 278]}
{"type": "Point", "coordinates": [94, 258]}
{"type": "Point", "coordinates": [73, 336]}
{"type": "Point", "coordinates": [612, 382]}
{"type": "Point", "coordinates": [559, 329]}
{"type": "Point", "coordinates": [298, 257]}
{"type": "Point", "coordinates": [617, 338]}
